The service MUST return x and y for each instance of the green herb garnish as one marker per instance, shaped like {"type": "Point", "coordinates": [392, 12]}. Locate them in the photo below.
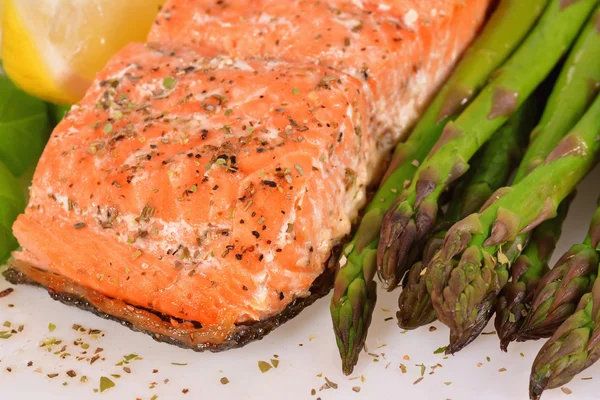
{"type": "Point", "coordinates": [169, 82]}
{"type": "Point", "coordinates": [105, 384]}
{"type": "Point", "coordinates": [264, 366]}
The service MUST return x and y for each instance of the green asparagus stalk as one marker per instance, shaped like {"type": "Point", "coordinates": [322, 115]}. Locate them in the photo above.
{"type": "Point", "coordinates": [464, 295]}
{"type": "Point", "coordinates": [414, 213]}
{"type": "Point", "coordinates": [492, 168]}
{"type": "Point", "coordinates": [576, 86]}
{"type": "Point", "coordinates": [574, 347]}
{"type": "Point", "coordinates": [512, 303]}
{"type": "Point", "coordinates": [355, 291]}
{"type": "Point", "coordinates": [567, 103]}
{"type": "Point", "coordinates": [559, 290]}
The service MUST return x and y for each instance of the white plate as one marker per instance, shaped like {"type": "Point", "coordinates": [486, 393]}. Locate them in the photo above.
{"type": "Point", "coordinates": [305, 346]}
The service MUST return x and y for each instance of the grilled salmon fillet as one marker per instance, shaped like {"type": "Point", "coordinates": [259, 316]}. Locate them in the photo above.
{"type": "Point", "coordinates": [400, 49]}
{"type": "Point", "coordinates": [200, 187]}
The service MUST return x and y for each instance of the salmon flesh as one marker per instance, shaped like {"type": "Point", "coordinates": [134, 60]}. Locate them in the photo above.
{"type": "Point", "coordinates": [200, 188]}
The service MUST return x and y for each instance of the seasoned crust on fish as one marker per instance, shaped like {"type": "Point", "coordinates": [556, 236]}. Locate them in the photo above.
{"type": "Point", "coordinates": [208, 189]}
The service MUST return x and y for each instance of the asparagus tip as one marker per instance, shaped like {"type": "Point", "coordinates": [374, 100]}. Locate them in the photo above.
{"type": "Point", "coordinates": [504, 342]}
{"type": "Point", "coordinates": [537, 384]}
{"type": "Point", "coordinates": [347, 366]}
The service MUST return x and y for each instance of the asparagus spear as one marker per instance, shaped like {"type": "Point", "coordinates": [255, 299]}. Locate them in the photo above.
{"type": "Point", "coordinates": [574, 347]}
{"type": "Point", "coordinates": [463, 296]}
{"type": "Point", "coordinates": [355, 292]}
{"type": "Point", "coordinates": [414, 304]}
{"type": "Point", "coordinates": [492, 168]}
{"type": "Point", "coordinates": [413, 215]}
{"type": "Point", "coordinates": [575, 88]}
{"type": "Point", "coordinates": [568, 101]}
{"type": "Point", "coordinates": [559, 291]}
{"type": "Point", "coordinates": [511, 306]}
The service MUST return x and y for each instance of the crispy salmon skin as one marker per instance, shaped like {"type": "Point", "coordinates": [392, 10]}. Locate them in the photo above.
{"type": "Point", "coordinates": [199, 189]}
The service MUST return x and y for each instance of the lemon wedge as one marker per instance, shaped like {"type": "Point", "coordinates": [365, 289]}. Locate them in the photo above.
{"type": "Point", "coordinates": [53, 48]}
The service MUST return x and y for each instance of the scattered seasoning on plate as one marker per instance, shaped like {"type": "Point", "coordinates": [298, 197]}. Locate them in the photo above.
{"type": "Point", "coordinates": [418, 380]}
{"type": "Point", "coordinates": [51, 327]}
{"type": "Point", "coordinates": [313, 392]}
{"type": "Point", "coordinates": [331, 384]}
{"type": "Point", "coordinates": [185, 391]}
{"type": "Point", "coordinates": [179, 364]}
{"type": "Point", "coordinates": [388, 319]}
{"type": "Point", "coordinates": [6, 292]}
{"type": "Point", "coordinates": [275, 362]}
{"type": "Point", "coordinates": [447, 383]}
{"type": "Point", "coordinates": [406, 357]}
{"type": "Point", "coordinates": [432, 329]}
{"type": "Point", "coordinates": [502, 370]}
{"type": "Point", "coordinates": [403, 368]}
{"type": "Point", "coordinates": [224, 381]}
{"type": "Point", "coordinates": [440, 350]}
{"type": "Point", "coordinates": [264, 366]}
{"type": "Point", "coordinates": [566, 390]}
{"type": "Point", "coordinates": [356, 389]}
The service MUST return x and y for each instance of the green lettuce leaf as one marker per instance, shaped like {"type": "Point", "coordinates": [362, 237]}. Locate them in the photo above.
{"type": "Point", "coordinates": [12, 202]}
{"type": "Point", "coordinates": [24, 127]}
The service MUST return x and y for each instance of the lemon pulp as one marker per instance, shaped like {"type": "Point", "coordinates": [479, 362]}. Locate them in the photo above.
{"type": "Point", "coordinates": [54, 48]}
